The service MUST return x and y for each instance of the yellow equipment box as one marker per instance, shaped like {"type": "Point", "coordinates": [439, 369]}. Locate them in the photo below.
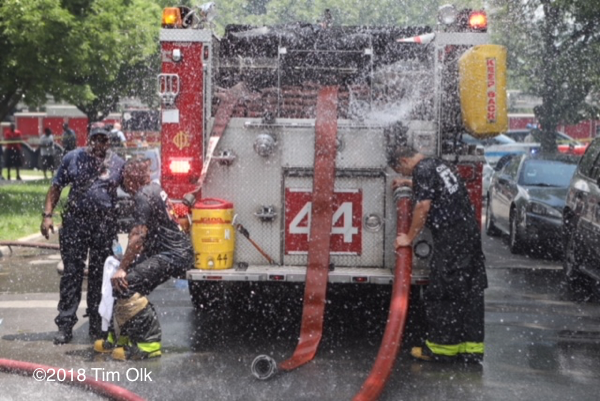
{"type": "Point", "coordinates": [482, 82]}
{"type": "Point", "coordinates": [213, 235]}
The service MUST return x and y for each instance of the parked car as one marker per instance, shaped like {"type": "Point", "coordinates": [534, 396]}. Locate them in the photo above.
{"type": "Point", "coordinates": [493, 153]}
{"type": "Point", "coordinates": [125, 203]}
{"type": "Point", "coordinates": [582, 223]}
{"type": "Point", "coordinates": [564, 142]}
{"type": "Point", "coordinates": [526, 199]}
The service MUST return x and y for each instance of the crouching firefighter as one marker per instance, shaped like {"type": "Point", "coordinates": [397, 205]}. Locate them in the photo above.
{"type": "Point", "coordinates": [454, 300]}
{"type": "Point", "coordinates": [157, 249]}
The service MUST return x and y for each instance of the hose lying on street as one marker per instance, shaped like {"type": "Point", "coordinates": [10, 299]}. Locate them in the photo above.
{"type": "Point", "coordinates": [40, 372]}
{"type": "Point", "coordinates": [40, 245]}
{"type": "Point", "coordinates": [392, 337]}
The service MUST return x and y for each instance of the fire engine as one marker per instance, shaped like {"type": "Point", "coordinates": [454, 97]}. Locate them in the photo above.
{"type": "Point", "coordinates": [252, 119]}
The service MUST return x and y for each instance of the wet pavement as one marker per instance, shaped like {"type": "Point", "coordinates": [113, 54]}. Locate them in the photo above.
{"type": "Point", "coordinates": [540, 343]}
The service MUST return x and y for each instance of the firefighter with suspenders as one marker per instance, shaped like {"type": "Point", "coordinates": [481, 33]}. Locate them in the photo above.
{"type": "Point", "coordinates": [454, 298]}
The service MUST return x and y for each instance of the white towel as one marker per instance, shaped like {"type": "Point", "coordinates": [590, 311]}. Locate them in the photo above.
{"type": "Point", "coordinates": [106, 304]}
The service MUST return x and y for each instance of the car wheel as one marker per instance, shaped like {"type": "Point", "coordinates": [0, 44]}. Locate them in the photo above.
{"type": "Point", "coordinates": [578, 285]}
{"type": "Point", "coordinates": [490, 229]}
{"type": "Point", "coordinates": [515, 242]}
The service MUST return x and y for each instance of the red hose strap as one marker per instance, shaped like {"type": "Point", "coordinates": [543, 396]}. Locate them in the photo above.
{"type": "Point", "coordinates": [222, 118]}
{"type": "Point", "coordinates": [108, 390]}
{"type": "Point", "coordinates": [392, 338]}
{"type": "Point", "coordinates": [320, 230]}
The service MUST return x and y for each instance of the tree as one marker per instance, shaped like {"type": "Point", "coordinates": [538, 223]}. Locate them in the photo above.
{"type": "Point", "coordinates": [86, 52]}
{"type": "Point", "coordinates": [553, 52]}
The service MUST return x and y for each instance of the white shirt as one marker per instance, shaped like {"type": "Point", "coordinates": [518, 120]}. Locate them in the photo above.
{"type": "Point", "coordinates": [47, 145]}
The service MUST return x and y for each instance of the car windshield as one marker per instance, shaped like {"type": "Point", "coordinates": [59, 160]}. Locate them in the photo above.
{"type": "Point", "coordinates": [546, 173]}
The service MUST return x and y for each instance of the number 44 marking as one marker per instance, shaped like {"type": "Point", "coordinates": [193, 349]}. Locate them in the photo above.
{"type": "Point", "coordinates": [343, 212]}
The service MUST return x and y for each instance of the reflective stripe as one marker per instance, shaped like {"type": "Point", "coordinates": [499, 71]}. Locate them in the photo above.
{"type": "Point", "coordinates": [473, 348]}
{"type": "Point", "coordinates": [123, 340]}
{"type": "Point", "coordinates": [441, 349]}
{"type": "Point", "coordinates": [149, 347]}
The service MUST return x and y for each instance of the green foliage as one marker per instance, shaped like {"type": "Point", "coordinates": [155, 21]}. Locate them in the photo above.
{"type": "Point", "coordinates": [86, 52]}
{"type": "Point", "coordinates": [21, 208]}
{"type": "Point", "coordinates": [553, 51]}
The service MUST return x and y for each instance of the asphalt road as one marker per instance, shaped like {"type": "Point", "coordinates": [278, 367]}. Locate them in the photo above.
{"type": "Point", "coordinates": [540, 343]}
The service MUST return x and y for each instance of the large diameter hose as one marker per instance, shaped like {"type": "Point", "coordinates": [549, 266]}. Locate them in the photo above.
{"type": "Point", "coordinates": [313, 309]}
{"type": "Point", "coordinates": [110, 391]}
{"type": "Point", "coordinates": [392, 338]}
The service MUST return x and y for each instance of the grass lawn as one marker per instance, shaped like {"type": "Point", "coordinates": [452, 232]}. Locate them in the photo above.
{"type": "Point", "coordinates": [21, 205]}
{"type": "Point", "coordinates": [25, 173]}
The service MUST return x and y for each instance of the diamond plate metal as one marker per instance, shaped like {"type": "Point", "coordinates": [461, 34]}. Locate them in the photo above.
{"type": "Point", "coordinates": [185, 35]}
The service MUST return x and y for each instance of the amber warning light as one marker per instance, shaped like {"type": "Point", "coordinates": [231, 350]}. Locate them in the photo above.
{"type": "Point", "coordinates": [171, 17]}
{"type": "Point", "coordinates": [478, 20]}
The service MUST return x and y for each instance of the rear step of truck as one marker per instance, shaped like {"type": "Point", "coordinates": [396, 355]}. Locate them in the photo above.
{"type": "Point", "coordinates": [297, 274]}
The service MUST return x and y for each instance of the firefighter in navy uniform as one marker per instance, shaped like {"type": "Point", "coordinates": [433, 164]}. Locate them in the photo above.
{"type": "Point", "coordinates": [158, 249]}
{"type": "Point", "coordinates": [454, 299]}
{"type": "Point", "coordinates": [89, 225]}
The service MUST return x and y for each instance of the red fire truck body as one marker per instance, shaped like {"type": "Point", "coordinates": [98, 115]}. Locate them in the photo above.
{"type": "Point", "coordinates": [393, 84]}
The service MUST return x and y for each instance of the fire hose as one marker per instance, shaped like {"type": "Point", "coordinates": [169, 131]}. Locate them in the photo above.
{"type": "Point", "coordinates": [392, 337]}
{"type": "Point", "coordinates": [263, 366]}
{"type": "Point", "coordinates": [40, 245]}
{"type": "Point", "coordinates": [108, 390]}
{"type": "Point", "coordinates": [222, 118]}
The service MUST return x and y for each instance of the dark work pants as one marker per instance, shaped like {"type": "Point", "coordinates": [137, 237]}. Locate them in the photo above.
{"type": "Point", "coordinates": [454, 297]}
{"type": "Point", "coordinates": [79, 236]}
{"type": "Point", "coordinates": [143, 278]}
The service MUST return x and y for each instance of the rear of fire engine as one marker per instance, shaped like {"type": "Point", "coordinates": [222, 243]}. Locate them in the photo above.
{"type": "Point", "coordinates": [243, 118]}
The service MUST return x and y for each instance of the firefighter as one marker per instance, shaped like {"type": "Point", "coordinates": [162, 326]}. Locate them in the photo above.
{"type": "Point", "coordinates": [88, 225]}
{"type": "Point", "coordinates": [454, 298]}
{"type": "Point", "coordinates": [157, 249]}
{"type": "Point", "coordinates": [69, 139]}
{"type": "Point", "coordinates": [14, 153]}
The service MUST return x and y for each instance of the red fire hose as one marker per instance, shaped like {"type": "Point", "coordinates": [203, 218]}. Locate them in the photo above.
{"type": "Point", "coordinates": [317, 272]}
{"type": "Point", "coordinates": [392, 338]}
{"type": "Point", "coordinates": [104, 389]}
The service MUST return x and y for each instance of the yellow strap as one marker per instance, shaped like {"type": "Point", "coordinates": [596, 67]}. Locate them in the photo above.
{"type": "Point", "coordinates": [149, 347]}
{"type": "Point", "coordinates": [443, 349]}
{"type": "Point", "coordinates": [473, 348]}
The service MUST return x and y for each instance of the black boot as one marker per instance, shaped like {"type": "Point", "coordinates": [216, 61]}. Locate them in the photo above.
{"type": "Point", "coordinates": [64, 336]}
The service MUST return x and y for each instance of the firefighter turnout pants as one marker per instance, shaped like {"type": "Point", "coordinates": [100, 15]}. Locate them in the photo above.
{"type": "Point", "coordinates": [134, 316]}
{"type": "Point", "coordinates": [454, 298]}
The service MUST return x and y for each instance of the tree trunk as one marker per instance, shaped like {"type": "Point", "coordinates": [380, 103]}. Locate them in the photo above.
{"type": "Point", "coordinates": [8, 102]}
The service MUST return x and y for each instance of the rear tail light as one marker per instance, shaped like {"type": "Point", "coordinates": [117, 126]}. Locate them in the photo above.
{"type": "Point", "coordinates": [180, 166]}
